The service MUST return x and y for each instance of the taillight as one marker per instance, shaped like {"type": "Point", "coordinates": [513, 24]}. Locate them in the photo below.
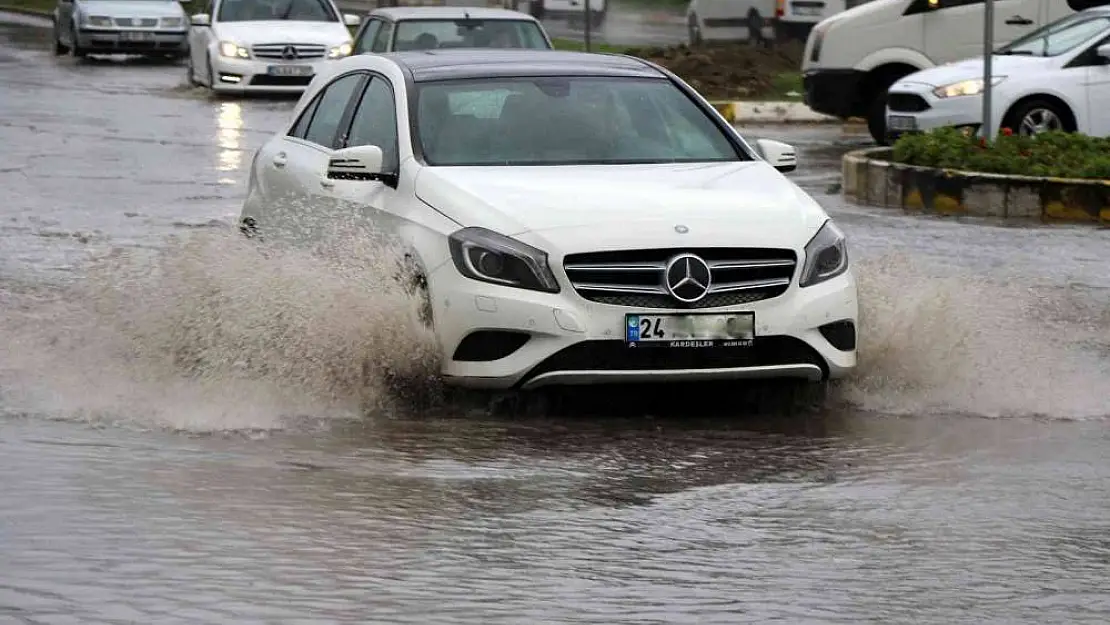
{"type": "Point", "coordinates": [780, 8]}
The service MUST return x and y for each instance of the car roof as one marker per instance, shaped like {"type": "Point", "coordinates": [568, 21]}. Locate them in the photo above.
{"type": "Point", "coordinates": [461, 63]}
{"type": "Point", "coordinates": [449, 13]}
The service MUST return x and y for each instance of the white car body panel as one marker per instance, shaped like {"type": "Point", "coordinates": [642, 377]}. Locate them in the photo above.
{"type": "Point", "coordinates": [208, 64]}
{"type": "Point", "coordinates": [1083, 89]}
{"type": "Point", "coordinates": [561, 210]}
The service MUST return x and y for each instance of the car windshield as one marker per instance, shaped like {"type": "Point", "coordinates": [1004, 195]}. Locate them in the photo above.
{"type": "Point", "coordinates": [296, 10]}
{"type": "Point", "coordinates": [565, 121]}
{"type": "Point", "coordinates": [426, 34]}
{"type": "Point", "coordinates": [1058, 37]}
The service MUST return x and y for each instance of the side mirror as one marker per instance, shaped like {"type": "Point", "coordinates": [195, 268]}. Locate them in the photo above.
{"type": "Point", "coordinates": [361, 162]}
{"type": "Point", "coordinates": [201, 19]}
{"type": "Point", "coordinates": [351, 20]}
{"type": "Point", "coordinates": [780, 155]}
{"type": "Point", "coordinates": [1103, 51]}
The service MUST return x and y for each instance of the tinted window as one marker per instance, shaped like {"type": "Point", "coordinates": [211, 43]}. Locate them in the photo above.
{"type": "Point", "coordinates": [564, 121]}
{"type": "Point", "coordinates": [1058, 37]}
{"type": "Point", "coordinates": [306, 117]}
{"type": "Point", "coordinates": [366, 38]}
{"type": "Point", "coordinates": [375, 122]}
{"type": "Point", "coordinates": [295, 10]}
{"type": "Point", "coordinates": [329, 113]}
{"type": "Point", "coordinates": [430, 34]}
{"type": "Point", "coordinates": [381, 43]}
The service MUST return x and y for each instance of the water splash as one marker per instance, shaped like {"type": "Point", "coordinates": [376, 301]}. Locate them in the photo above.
{"type": "Point", "coordinates": [218, 332]}
{"type": "Point", "coordinates": [962, 344]}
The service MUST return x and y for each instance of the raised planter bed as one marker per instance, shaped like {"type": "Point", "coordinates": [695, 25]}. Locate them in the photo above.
{"type": "Point", "coordinates": [869, 177]}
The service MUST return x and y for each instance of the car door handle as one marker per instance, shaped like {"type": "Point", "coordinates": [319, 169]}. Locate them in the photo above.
{"type": "Point", "coordinates": [279, 160]}
{"type": "Point", "coordinates": [1017, 20]}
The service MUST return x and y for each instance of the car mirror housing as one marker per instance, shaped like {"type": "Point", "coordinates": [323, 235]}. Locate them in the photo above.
{"type": "Point", "coordinates": [351, 20]}
{"type": "Point", "coordinates": [781, 156]}
{"type": "Point", "coordinates": [1103, 51]}
{"type": "Point", "coordinates": [361, 162]}
{"type": "Point", "coordinates": [201, 19]}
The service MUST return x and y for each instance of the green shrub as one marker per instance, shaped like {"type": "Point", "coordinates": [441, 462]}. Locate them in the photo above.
{"type": "Point", "coordinates": [1056, 154]}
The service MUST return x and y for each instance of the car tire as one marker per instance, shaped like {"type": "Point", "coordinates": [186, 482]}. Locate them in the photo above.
{"type": "Point", "coordinates": [755, 29]}
{"type": "Point", "coordinates": [60, 49]}
{"type": "Point", "coordinates": [76, 49]}
{"type": "Point", "coordinates": [1024, 118]}
{"type": "Point", "coordinates": [876, 118]}
{"type": "Point", "coordinates": [190, 73]}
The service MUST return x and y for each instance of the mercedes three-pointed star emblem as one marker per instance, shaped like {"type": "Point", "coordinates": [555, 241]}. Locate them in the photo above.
{"type": "Point", "coordinates": [289, 53]}
{"type": "Point", "coordinates": [688, 278]}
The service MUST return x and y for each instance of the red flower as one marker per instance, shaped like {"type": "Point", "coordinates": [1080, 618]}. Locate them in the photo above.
{"type": "Point", "coordinates": [1007, 132]}
{"type": "Point", "coordinates": [982, 142]}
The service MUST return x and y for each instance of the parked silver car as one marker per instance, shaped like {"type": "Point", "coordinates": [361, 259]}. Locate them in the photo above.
{"type": "Point", "coordinates": [145, 27]}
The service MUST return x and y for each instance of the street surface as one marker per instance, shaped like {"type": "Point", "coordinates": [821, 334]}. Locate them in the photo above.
{"type": "Point", "coordinates": [961, 477]}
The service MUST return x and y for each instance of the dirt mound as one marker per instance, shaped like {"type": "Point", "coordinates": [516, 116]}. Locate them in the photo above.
{"type": "Point", "coordinates": [726, 71]}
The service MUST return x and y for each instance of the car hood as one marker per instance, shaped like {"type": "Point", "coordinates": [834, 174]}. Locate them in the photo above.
{"type": "Point", "coordinates": [283, 31]}
{"type": "Point", "coordinates": [1001, 65]}
{"type": "Point", "coordinates": [133, 8]}
{"type": "Point", "coordinates": [584, 207]}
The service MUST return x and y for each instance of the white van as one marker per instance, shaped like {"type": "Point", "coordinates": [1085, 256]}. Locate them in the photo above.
{"type": "Point", "coordinates": [852, 58]}
{"type": "Point", "coordinates": [737, 20]}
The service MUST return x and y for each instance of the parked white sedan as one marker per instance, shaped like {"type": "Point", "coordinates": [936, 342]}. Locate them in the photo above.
{"type": "Point", "coordinates": [1055, 78]}
{"type": "Point", "coordinates": [574, 218]}
{"type": "Point", "coordinates": [266, 45]}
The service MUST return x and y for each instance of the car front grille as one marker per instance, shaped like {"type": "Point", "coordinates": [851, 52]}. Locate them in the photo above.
{"type": "Point", "coordinates": [288, 51]}
{"type": "Point", "coordinates": [137, 22]}
{"type": "Point", "coordinates": [906, 103]}
{"type": "Point", "coordinates": [635, 278]}
{"type": "Point", "coordinates": [610, 355]}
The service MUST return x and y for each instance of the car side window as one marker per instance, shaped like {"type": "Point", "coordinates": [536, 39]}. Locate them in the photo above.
{"type": "Point", "coordinates": [1080, 5]}
{"type": "Point", "coordinates": [375, 122]}
{"type": "Point", "coordinates": [324, 127]}
{"type": "Point", "coordinates": [301, 127]}
{"type": "Point", "coordinates": [381, 44]}
{"type": "Point", "coordinates": [366, 39]}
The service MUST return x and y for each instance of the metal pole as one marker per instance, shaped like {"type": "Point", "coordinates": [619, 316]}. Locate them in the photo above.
{"type": "Point", "coordinates": [988, 52]}
{"type": "Point", "coordinates": [588, 26]}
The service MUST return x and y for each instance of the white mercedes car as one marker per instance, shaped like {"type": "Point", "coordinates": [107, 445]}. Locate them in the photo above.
{"type": "Point", "coordinates": [266, 45]}
{"type": "Point", "coordinates": [572, 218]}
{"type": "Point", "coordinates": [1054, 78]}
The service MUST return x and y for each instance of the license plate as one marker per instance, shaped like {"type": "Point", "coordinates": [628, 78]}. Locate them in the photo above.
{"type": "Point", "coordinates": [290, 70]}
{"type": "Point", "coordinates": [901, 122]}
{"type": "Point", "coordinates": [137, 36]}
{"type": "Point", "coordinates": [807, 11]}
{"type": "Point", "coordinates": [698, 330]}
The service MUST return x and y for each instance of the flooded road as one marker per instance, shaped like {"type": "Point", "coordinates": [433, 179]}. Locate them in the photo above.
{"type": "Point", "coordinates": [962, 476]}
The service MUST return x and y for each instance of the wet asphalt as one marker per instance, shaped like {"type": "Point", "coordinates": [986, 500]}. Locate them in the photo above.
{"type": "Point", "coordinates": [962, 476]}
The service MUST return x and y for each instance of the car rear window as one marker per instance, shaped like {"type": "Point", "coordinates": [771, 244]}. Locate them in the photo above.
{"type": "Point", "coordinates": [427, 34]}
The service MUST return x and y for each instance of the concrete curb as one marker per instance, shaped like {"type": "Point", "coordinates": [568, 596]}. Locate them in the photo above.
{"type": "Point", "coordinates": [784, 112]}
{"type": "Point", "coordinates": [23, 11]}
{"type": "Point", "coordinates": [868, 177]}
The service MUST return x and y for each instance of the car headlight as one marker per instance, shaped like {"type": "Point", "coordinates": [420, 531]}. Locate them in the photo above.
{"type": "Point", "coordinates": [340, 51]}
{"type": "Point", "coordinates": [964, 87]}
{"type": "Point", "coordinates": [826, 255]}
{"type": "Point", "coordinates": [101, 21]}
{"type": "Point", "coordinates": [490, 257]}
{"type": "Point", "coordinates": [172, 22]}
{"type": "Point", "coordinates": [234, 50]}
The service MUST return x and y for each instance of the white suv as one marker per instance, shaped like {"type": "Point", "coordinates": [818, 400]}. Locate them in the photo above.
{"type": "Point", "coordinates": [265, 45]}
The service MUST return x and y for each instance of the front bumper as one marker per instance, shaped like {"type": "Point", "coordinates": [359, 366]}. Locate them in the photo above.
{"type": "Point", "coordinates": [253, 75]}
{"type": "Point", "coordinates": [115, 41]}
{"type": "Point", "coordinates": [920, 111]}
{"type": "Point", "coordinates": [833, 92]}
{"type": "Point", "coordinates": [563, 339]}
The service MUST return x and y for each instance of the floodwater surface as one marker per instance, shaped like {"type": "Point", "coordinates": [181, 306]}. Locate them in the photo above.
{"type": "Point", "coordinates": [190, 435]}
